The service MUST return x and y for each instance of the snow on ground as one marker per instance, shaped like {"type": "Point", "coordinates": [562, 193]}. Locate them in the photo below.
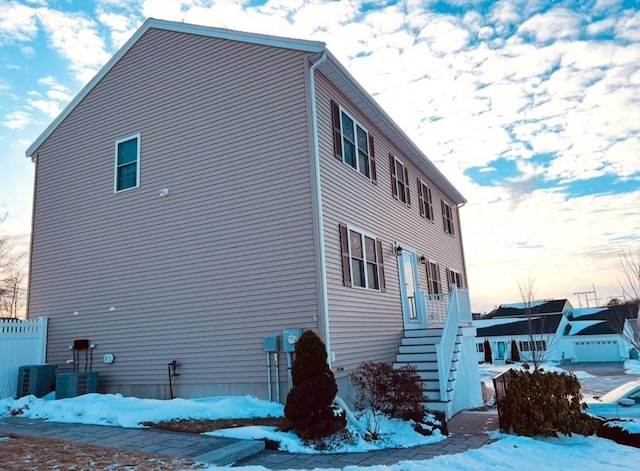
{"type": "Point", "coordinates": [130, 412]}
{"type": "Point", "coordinates": [508, 452]}
{"type": "Point", "coordinates": [632, 367]}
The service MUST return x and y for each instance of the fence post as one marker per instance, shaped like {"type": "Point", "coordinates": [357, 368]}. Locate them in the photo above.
{"type": "Point", "coordinates": [42, 346]}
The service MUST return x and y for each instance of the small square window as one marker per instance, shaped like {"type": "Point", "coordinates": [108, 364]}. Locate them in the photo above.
{"type": "Point", "coordinates": [127, 163]}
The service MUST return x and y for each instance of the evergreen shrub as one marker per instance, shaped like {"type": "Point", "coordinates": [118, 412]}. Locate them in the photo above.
{"type": "Point", "coordinates": [544, 403]}
{"type": "Point", "coordinates": [309, 404]}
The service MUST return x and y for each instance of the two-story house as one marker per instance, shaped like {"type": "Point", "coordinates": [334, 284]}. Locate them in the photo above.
{"type": "Point", "coordinates": [209, 188]}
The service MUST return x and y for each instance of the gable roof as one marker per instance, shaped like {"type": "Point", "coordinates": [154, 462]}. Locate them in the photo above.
{"type": "Point", "coordinates": [541, 325]}
{"type": "Point", "coordinates": [609, 320]}
{"type": "Point", "coordinates": [330, 67]}
{"type": "Point", "coordinates": [535, 308]}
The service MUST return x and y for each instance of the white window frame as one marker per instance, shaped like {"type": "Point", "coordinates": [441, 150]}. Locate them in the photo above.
{"type": "Point", "coordinates": [363, 234]}
{"type": "Point", "coordinates": [427, 200]}
{"type": "Point", "coordinates": [447, 218]}
{"type": "Point", "coordinates": [356, 125]}
{"type": "Point", "coordinates": [431, 279]}
{"type": "Point", "coordinates": [402, 196]}
{"type": "Point", "coordinates": [115, 163]}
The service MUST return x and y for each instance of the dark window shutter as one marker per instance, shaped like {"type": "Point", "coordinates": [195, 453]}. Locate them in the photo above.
{"type": "Point", "coordinates": [444, 216]}
{"type": "Point", "coordinates": [337, 134]}
{"type": "Point", "coordinates": [394, 185]}
{"type": "Point", "coordinates": [344, 248]}
{"type": "Point", "coordinates": [372, 156]}
{"type": "Point", "coordinates": [406, 186]}
{"type": "Point", "coordinates": [420, 198]}
{"type": "Point", "coordinates": [383, 284]}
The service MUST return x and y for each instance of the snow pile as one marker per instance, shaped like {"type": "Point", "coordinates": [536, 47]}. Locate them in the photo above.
{"type": "Point", "coordinates": [632, 367]}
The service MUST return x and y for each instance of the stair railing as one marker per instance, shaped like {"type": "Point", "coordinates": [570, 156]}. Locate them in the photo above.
{"type": "Point", "coordinates": [444, 349]}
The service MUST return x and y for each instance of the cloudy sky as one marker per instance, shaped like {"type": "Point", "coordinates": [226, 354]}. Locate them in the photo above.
{"type": "Point", "coordinates": [531, 108]}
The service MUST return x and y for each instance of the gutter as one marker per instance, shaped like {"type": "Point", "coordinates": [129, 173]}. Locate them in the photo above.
{"type": "Point", "coordinates": [318, 208]}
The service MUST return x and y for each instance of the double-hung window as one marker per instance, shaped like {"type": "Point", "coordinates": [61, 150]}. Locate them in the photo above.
{"type": "Point", "coordinates": [426, 202]}
{"type": "Point", "coordinates": [433, 278]}
{"type": "Point", "coordinates": [399, 180]}
{"type": "Point", "coordinates": [352, 143]}
{"type": "Point", "coordinates": [455, 277]}
{"type": "Point", "coordinates": [362, 261]}
{"type": "Point", "coordinates": [447, 217]}
{"type": "Point", "coordinates": [127, 163]}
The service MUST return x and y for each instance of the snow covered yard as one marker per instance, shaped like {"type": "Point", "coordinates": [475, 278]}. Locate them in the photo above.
{"type": "Point", "coordinates": [508, 452]}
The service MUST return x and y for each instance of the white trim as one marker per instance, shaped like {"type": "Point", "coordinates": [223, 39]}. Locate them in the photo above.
{"type": "Point", "coordinates": [319, 211]}
{"type": "Point", "coordinates": [405, 172]}
{"type": "Point", "coordinates": [363, 234]}
{"type": "Point", "coordinates": [428, 198]}
{"type": "Point", "coordinates": [261, 39]}
{"type": "Point", "coordinates": [356, 124]}
{"type": "Point", "coordinates": [115, 162]}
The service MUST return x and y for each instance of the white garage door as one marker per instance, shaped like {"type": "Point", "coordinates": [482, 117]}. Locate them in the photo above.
{"type": "Point", "coordinates": [597, 350]}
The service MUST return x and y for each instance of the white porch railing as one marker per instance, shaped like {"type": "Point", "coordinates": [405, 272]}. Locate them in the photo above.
{"type": "Point", "coordinates": [458, 310]}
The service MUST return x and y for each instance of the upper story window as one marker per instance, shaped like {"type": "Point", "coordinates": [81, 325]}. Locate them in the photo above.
{"type": "Point", "coordinates": [399, 180]}
{"type": "Point", "coordinates": [455, 277]}
{"type": "Point", "coordinates": [362, 261]}
{"type": "Point", "coordinates": [352, 143]}
{"type": "Point", "coordinates": [433, 278]}
{"type": "Point", "coordinates": [127, 163]}
{"type": "Point", "coordinates": [447, 217]}
{"type": "Point", "coordinates": [426, 202]}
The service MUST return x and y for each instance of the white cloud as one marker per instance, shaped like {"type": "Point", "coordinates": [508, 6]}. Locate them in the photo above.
{"type": "Point", "coordinates": [17, 120]}
{"type": "Point", "coordinates": [558, 23]}
{"type": "Point", "coordinates": [76, 38]}
{"type": "Point", "coordinates": [17, 23]}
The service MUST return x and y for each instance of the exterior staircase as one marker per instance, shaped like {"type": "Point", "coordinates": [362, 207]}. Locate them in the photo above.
{"type": "Point", "coordinates": [436, 350]}
{"type": "Point", "coordinates": [419, 349]}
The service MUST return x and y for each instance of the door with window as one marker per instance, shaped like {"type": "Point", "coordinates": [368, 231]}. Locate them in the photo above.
{"type": "Point", "coordinates": [412, 305]}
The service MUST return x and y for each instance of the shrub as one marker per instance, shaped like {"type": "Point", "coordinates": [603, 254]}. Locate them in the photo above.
{"type": "Point", "coordinates": [310, 401]}
{"type": "Point", "coordinates": [544, 403]}
{"type": "Point", "coordinates": [395, 392]}
{"type": "Point", "coordinates": [613, 430]}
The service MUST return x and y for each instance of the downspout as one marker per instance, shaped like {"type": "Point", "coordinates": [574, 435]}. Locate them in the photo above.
{"type": "Point", "coordinates": [318, 208]}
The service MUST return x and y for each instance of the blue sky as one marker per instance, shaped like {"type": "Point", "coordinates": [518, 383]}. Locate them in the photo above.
{"type": "Point", "coordinates": [531, 108]}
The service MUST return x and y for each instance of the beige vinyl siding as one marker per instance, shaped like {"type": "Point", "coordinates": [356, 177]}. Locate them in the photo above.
{"type": "Point", "coordinates": [368, 325]}
{"type": "Point", "coordinates": [199, 276]}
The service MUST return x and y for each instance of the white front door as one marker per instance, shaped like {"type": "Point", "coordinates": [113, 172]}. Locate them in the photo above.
{"type": "Point", "coordinates": [412, 308]}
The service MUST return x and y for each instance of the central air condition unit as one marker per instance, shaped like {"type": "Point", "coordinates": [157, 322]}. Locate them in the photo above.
{"type": "Point", "coordinates": [38, 380]}
{"type": "Point", "coordinates": [76, 384]}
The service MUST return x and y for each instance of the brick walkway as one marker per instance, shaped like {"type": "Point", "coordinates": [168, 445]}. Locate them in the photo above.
{"type": "Point", "coordinates": [468, 431]}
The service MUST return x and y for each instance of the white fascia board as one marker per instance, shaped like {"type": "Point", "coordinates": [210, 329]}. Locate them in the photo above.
{"type": "Point", "coordinates": [261, 39]}
{"type": "Point", "coordinates": [348, 85]}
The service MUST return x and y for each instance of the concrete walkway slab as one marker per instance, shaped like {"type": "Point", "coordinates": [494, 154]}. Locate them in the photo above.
{"type": "Point", "coordinates": [468, 430]}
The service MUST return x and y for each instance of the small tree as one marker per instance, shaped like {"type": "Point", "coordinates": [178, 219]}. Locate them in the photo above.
{"type": "Point", "coordinates": [515, 353]}
{"type": "Point", "coordinates": [310, 402]}
{"type": "Point", "coordinates": [627, 318]}
{"type": "Point", "coordinates": [488, 356]}
{"type": "Point", "coordinates": [538, 341]}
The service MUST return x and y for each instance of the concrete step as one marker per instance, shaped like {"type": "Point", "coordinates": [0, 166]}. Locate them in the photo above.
{"type": "Point", "coordinates": [410, 341]}
{"type": "Point", "coordinates": [229, 454]}
{"type": "Point", "coordinates": [432, 332]}
{"type": "Point", "coordinates": [416, 358]}
{"type": "Point", "coordinates": [417, 349]}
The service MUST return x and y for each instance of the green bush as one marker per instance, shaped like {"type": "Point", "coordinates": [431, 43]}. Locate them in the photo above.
{"type": "Point", "coordinates": [395, 392]}
{"type": "Point", "coordinates": [544, 403]}
{"type": "Point", "coordinates": [310, 402]}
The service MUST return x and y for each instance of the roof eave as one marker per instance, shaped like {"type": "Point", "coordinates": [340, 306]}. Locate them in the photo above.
{"type": "Point", "coordinates": [262, 39]}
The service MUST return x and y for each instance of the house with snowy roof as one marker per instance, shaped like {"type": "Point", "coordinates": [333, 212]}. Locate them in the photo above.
{"type": "Point", "coordinates": [564, 333]}
{"type": "Point", "coordinates": [210, 190]}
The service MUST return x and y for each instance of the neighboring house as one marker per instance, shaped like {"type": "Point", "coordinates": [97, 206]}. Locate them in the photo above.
{"type": "Point", "coordinates": [562, 332]}
{"type": "Point", "coordinates": [532, 325]}
{"type": "Point", "coordinates": [599, 334]}
{"type": "Point", "coordinates": [209, 188]}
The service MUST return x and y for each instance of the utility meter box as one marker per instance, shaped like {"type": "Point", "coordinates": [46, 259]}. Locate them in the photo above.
{"type": "Point", "coordinates": [289, 339]}
{"type": "Point", "coordinates": [271, 344]}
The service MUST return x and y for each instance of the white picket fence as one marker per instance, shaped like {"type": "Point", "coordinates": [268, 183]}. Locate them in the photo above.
{"type": "Point", "coordinates": [21, 343]}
